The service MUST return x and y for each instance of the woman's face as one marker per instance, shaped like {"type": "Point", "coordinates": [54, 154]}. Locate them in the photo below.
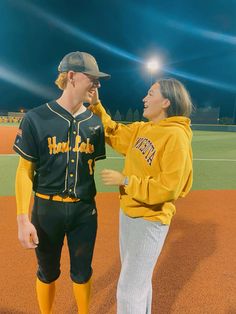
{"type": "Point", "coordinates": [155, 104]}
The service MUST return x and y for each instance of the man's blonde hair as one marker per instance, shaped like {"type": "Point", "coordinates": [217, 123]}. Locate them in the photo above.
{"type": "Point", "coordinates": [176, 93]}
{"type": "Point", "coordinates": [62, 80]}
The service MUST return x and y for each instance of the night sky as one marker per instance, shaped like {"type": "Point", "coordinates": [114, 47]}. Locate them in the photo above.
{"type": "Point", "coordinates": [195, 40]}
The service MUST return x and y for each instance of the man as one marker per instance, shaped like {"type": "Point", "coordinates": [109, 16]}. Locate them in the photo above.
{"type": "Point", "coordinates": [58, 144]}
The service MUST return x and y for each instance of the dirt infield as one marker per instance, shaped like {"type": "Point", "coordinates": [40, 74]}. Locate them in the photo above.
{"type": "Point", "coordinates": [7, 136]}
{"type": "Point", "coordinates": [195, 273]}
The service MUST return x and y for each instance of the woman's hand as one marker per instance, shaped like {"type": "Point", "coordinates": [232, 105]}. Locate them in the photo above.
{"type": "Point", "coordinates": [112, 177]}
{"type": "Point", "coordinates": [95, 98]}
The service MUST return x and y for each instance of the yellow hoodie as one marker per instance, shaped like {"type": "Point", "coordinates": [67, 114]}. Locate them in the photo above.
{"type": "Point", "coordinates": [158, 164]}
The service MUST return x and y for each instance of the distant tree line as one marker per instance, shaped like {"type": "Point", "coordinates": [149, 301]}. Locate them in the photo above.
{"type": "Point", "coordinates": [201, 115]}
{"type": "Point", "coordinates": [130, 116]}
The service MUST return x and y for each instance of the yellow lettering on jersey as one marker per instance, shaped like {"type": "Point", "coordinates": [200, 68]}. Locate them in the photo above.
{"type": "Point", "coordinates": [77, 142]}
{"type": "Point", "coordinates": [86, 148]}
{"type": "Point", "coordinates": [52, 145]}
{"type": "Point", "coordinates": [55, 148]}
{"type": "Point", "coordinates": [59, 147]}
{"type": "Point", "coordinates": [90, 163]}
{"type": "Point", "coordinates": [63, 147]}
{"type": "Point", "coordinates": [89, 147]}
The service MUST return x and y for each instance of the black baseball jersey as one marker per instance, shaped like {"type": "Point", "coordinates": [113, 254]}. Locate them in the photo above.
{"type": "Point", "coordinates": [64, 149]}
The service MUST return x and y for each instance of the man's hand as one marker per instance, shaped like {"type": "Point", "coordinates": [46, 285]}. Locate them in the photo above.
{"type": "Point", "coordinates": [27, 233]}
{"type": "Point", "coordinates": [112, 177]}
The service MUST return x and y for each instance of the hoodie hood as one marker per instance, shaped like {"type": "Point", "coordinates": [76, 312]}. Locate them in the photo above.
{"type": "Point", "coordinates": [179, 122]}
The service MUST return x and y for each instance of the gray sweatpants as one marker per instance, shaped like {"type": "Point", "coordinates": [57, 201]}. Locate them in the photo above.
{"type": "Point", "coordinates": [141, 242]}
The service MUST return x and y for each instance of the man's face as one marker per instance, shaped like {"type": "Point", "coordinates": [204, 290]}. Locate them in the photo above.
{"type": "Point", "coordinates": [85, 85]}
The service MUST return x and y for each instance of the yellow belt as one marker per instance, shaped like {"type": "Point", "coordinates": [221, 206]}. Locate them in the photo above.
{"type": "Point", "coordinates": [58, 198]}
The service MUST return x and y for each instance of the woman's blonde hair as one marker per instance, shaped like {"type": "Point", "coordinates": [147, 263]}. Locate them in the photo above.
{"type": "Point", "coordinates": [176, 93]}
{"type": "Point", "coordinates": [62, 80]}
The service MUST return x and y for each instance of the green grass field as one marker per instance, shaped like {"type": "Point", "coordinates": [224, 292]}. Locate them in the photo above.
{"type": "Point", "coordinates": [9, 124]}
{"type": "Point", "coordinates": [214, 156]}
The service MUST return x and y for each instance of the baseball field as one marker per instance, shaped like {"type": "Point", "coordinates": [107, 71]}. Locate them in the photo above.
{"type": "Point", "coordinates": [196, 272]}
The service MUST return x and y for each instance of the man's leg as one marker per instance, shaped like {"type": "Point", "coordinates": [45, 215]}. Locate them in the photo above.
{"type": "Point", "coordinates": [45, 296]}
{"type": "Point", "coordinates": [81, 238]}
{"type": "Point", "coordinates": [82, 296]}
{"type": "Point", "coordinates": [47, 217]}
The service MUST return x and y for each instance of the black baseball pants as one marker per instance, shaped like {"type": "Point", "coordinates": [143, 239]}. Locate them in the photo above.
{"type": "Point", "coordinates": [53, 221]}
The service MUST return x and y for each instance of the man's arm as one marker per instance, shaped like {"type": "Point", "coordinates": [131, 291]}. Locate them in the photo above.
{"type": "Point", "coordinates": [27, 234]}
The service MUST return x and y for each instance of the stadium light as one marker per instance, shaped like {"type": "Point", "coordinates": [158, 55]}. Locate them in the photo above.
{"type": "Point", "coordinates": [153, 66]}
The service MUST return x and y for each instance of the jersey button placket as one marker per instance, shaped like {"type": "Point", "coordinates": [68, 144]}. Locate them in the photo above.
{"type": "Point", "coordinates": [72, 159]}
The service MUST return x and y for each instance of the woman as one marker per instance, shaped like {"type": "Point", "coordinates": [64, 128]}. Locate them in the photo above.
{"type": "Point", "coordinates": [157, 171]}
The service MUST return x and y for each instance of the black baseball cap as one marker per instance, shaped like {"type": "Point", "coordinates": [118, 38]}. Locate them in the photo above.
{"type": "Point", "coordinates": [81, 62]}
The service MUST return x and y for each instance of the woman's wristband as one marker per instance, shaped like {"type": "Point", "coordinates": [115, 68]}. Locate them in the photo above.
{"type": "Point", "coordinates": [126, 181]}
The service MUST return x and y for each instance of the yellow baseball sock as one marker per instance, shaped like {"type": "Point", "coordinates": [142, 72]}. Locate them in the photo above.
{"type": "Point", "coordinates": [82, 296]}
{"type": "Point", "coordinates": [45, 295]}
